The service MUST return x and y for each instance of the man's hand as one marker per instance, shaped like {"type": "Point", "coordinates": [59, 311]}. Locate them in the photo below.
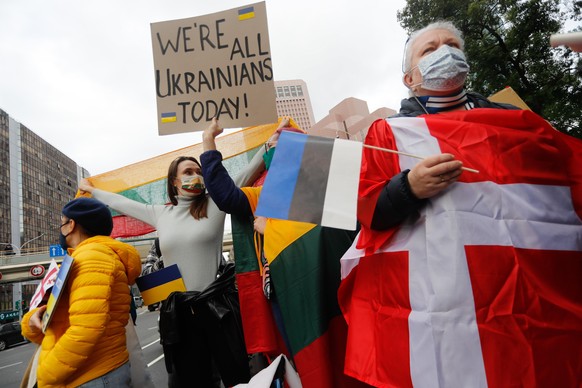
{"type": "Point", "coordinates": [35, 321]}
{"type": "Point", "coordinates": [434, 174]}
{"type": "Point", "coordinates": [210, 134]}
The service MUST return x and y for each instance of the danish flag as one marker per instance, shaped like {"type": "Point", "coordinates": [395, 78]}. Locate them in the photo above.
{"type": "Point", "coordinates": [484, 286]}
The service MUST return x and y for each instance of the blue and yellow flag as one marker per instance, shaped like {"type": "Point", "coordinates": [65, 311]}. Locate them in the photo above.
{"type": "Point", "coordinates": [246, 13]}
{"type": "Point", "coordinates": [156, 286]}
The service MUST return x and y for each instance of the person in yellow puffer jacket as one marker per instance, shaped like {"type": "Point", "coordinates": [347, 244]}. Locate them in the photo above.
{"type": "Point", "coordinates": [84, 344]}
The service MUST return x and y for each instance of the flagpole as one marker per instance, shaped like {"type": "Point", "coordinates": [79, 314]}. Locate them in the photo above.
{"type": "Point", "coordinates": [411, 155]}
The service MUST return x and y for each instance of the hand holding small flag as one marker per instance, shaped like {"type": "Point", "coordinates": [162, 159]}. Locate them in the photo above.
{"type": "Point", "coordinates": [313, 179]}
{"type": "Point", "coordinates": [434, 174]}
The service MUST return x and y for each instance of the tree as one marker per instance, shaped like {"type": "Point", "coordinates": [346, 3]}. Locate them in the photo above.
{"type": "Point", "coordinates": [507, 44]}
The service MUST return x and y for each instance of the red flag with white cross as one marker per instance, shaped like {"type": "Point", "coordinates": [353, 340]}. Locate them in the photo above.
{"type": "Point", "coordinates": [483, 287]}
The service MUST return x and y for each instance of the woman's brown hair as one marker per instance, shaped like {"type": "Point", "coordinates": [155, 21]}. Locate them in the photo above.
{"type": "Point", "coordinates": [198, 208]}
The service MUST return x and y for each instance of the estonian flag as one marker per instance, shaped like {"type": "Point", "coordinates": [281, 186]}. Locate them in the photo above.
{"type": "Point", "coordinates": [156, 286]}
{"type": "Point", "coordinates": [313, 179]}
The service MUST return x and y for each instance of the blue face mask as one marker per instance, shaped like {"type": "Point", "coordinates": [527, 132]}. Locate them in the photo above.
{"type": "Point", "coordinates": [268, 157]}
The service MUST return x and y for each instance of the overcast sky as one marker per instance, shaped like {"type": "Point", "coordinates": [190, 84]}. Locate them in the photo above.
{"type": "Point", "coordinates": [80, 73]}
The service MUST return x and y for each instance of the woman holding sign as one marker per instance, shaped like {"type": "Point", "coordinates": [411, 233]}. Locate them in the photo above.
{"type": "Point", "coordinates": [190, 231]}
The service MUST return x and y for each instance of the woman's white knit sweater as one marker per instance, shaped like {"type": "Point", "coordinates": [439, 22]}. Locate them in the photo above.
{"type": "Point", "coordinates": [195, 245]}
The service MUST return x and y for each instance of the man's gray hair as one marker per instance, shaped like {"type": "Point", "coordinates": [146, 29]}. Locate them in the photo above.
{"type": "Point", "coordinates": [439, 25]}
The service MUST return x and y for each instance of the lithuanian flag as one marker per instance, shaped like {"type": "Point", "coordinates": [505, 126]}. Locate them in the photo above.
{"type": "Point", "coordinates": [305, 273]}
{"type": "Point", "coordinates": [145, 181]}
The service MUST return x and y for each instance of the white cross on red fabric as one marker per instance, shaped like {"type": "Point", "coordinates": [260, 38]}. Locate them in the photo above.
{"type": "Point", "coordinates": [472, 229]}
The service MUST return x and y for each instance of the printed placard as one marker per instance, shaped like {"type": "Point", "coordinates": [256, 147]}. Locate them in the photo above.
{"type": "Point", "coordinates": [216, 65]}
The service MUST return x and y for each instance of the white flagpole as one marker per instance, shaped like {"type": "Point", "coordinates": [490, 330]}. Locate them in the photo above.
{"type": "Point", "coordinates": [411, 155]}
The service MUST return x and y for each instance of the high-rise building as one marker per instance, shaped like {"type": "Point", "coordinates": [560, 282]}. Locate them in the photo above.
{"type": "Point", "coordinates": [293, 100]}
{"type": "Point", "coordinates": [36, 181]}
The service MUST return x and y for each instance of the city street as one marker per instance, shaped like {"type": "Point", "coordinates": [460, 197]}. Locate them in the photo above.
{"type": "Point", "coordinates": [14, 360]}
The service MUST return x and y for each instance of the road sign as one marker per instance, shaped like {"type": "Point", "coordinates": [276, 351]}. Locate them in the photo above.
{"type": "Point", "coordinates": [56, 251]}
{"type": "Point", "coordinates": [37, 270]}
{"type": "Point", "coordinates": [8, 314]}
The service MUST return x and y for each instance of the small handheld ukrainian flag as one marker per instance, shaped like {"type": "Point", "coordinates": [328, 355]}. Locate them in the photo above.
{"type": "Point", "coordinates": [156, 286]}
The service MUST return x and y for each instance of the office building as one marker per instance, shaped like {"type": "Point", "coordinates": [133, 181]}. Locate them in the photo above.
{"type": "Point", "coordinates": [293, 100]}
{"type": "Point", "coordinates": [36, 181]}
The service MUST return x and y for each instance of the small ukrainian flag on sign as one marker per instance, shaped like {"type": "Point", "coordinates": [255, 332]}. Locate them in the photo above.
{"type": "Point", "coordinates": [169, 117]}
{"type": "Point", "coordinates": [246, 13]}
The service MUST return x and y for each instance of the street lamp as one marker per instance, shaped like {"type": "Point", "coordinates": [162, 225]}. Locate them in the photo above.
{"type": "Point", "coordinates": [32, 239]}
{"type": "Point", "coordinates": [19, 249]}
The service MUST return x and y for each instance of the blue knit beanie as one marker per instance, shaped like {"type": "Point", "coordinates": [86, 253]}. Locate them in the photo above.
{"type": "Point", "coordinates": [91, 214]}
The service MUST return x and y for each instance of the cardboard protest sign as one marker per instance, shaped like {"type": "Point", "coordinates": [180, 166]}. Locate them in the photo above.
{"type": "Point", "coordinates": [56, 293]}
{"type": "Point", "coordinates": [47, 282]}
{"type": "Point", "coordinates": [214, 65]}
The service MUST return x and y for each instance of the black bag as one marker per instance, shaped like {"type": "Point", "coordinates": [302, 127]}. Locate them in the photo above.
{"type": "Point", "coordinates": [196, 327]}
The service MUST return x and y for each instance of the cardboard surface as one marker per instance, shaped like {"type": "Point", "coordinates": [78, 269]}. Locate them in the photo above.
{"type": "Point", "coordinates": [214, 65]}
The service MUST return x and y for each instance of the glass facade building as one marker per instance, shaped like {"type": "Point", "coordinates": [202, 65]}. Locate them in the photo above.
{"type": "Point", "coordinates": [36, 181]}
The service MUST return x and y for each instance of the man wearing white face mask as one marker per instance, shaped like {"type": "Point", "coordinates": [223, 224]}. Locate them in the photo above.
{"type": "Point", "coordinates": [435, 70]}
{"type": "Point", "coordinates": [432, 287]}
